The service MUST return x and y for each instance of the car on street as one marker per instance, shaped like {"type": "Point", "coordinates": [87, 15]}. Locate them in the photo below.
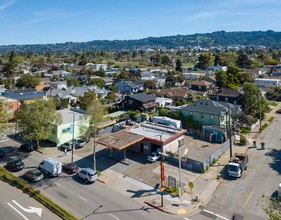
{"type": "Point", "coordinates": [154, 156]}
{"type": "Point", "coordinates": [33, 175]}
{"type": "Point", "coordinates": [70, 167]}
{"type": "Point", "coordinates": [28, 146]}
{"type": "Point", "coordinates": [68, 146]}
{"type": "Point", "coordinates": [15, 165]}
{"type": "Point", "coordinates": [87, 174]}
{"type": "Point", "coordinates": [79, 143]}
{"type": "Point", "coordinates": [2, 153]}
{"type": "Point", "coordinates": [278, 111]}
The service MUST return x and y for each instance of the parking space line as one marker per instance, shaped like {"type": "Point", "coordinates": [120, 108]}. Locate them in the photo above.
{"type": "Point", "coordinates": [114, 216]}
{"type": "Point", "coordinates": [82, 198]}
{"type": "Point", "coordinates": [248, 199]}
{"type": "Point", "coordinates": [17, 211]}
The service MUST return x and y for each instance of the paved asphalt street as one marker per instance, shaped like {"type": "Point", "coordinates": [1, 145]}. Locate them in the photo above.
{"type": "Point", "coordinates": [93, 201]}
{"type": "Point", "coordinates": [15, 205]}
{"type": "Point", "coordinates": [245, 196]}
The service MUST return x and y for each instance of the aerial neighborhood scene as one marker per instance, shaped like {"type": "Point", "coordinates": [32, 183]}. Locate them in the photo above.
{"type": "Point", "coordinates": [154, 110]}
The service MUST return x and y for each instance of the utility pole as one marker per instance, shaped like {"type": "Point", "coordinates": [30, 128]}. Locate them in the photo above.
{"type": "Point", "coordinates": [73, 144]}
{"type": "Point", "coordinates": [259, 99]}
{"type": "Point", "coordinates": [229, 132]}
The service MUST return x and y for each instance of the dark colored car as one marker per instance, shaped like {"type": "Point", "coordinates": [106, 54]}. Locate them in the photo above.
{"type": "Point", "coordinates": [70, 167]}
{"type": "Point", "coordinates": [34, 175]}
{"type": "Point", "coordinates": [28, 147]}
{"type": "Point", "coordinates": [15, 165]}
{"type": "Point", "coordinates": [2, 153]}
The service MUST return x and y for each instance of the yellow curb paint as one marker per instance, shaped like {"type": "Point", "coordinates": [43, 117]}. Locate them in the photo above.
{"type": "Point", "coordinates": [248, 199]}
{"type": "Point", "coordinates": [181, 211]}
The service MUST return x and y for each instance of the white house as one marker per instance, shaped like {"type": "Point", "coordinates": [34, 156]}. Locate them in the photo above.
{"type": "Point", "coordinates": [163, 102]}
{"type": "Point", "coordinates": [100, 66]}
{"type": "Point", "coordinates": [265, 82]}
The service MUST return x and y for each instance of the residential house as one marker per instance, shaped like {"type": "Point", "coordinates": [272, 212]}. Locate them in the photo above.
{"type": "Point", "coordinates": [233, 96]}
{"type": "Point", "coordinates": [11, 105]}
{"type": "Point", "coordinates": [61, 73]}
{"type": "Point", "coordinates": [267, 82]}
{"type": "Point", "coordinates": [129, 87]}
{"type": "Point", "coordinates": [175, 94]}
{"type": "Point", "coordinates": [201, 85]}
{"type": "Point", "coordinates": [43, 83]}
{"type": "Point", "coordinates": [72, 93]}
{"type": "Point", "coordinates": [72, 122]}
{"type": "Point", "coordinates": [99, 66]}
{"type": "Point", "coordinates": [163, 102]}
{"type": "Point", "coordinates": [107, 82]}
{"type": "Point", "coordinates": [193, 75]}
{"type": "Point", "coordinates": [211, 79]}
{"type": "Point", "coordinates": [147, 75]}
{"type": "Point", "coordinates": [140, 101]}
{"type": "Point", "coordinates": [24, 95]}
{"type": "Point", "coordinates": [58, 85]}
{"type": "Point", "coordinates": [206, 112]}
{"type": "Point", "coordinates": [213, 69]}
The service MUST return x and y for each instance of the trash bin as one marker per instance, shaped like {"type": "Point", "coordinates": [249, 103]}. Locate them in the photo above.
{"type": "Point", "coordinates": [262, 145]}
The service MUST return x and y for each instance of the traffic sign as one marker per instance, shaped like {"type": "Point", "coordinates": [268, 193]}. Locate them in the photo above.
{"type": "Point", "coordinates": [172, 181]}
{"type": "Point", "coordinates": [190, 184]}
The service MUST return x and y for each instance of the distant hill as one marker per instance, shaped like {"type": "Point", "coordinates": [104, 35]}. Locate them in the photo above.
{"type": "Point", "coordinates": [269, 38]}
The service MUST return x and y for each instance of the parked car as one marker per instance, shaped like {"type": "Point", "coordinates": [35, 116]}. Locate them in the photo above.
{"type": "Point", "coordinates": [51, 167]}
{"type": "Point", "coordinates": [154, 156]}
{"type": "Point", "coordinates": [67, 146]}
{"type": "Point", "coordinates": [79, 143]}
{"type": "Point", "coordinates": [70, 167]}
{"type": "Point", "coordinates": [278, 111]}
{"type": "Point", "coordinates": [2, 153]}
{"type": "Point", "coordinates": [87, 174]}
{"type": "Point", "coordinates": [15, 165]}
{"type": "Point", "coordinates": [34, 175]}
{"type": "Point", "coordinates": [28, 147]}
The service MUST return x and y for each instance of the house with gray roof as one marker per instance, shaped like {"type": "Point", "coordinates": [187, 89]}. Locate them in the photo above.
{"type": "Point", "coordinates": [208, 112]}
{"type": "Point", "coordinates": [140, 101]}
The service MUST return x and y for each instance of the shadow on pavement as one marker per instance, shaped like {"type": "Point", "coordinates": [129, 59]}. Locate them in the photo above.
{"type": "Point", "coordinates": [276, 159]}
{"type": "Point", "coordinates": [13, 152]}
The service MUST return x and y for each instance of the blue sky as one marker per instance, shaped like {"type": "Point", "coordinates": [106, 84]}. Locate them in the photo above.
{"type": "Point", "coordinates": [58, 21]}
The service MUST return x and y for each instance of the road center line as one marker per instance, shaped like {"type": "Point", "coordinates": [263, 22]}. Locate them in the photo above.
{"type": "Point", "coordinates": [114, 216]}
{"type": "Point", "coordinates": [213, 213]}
{"type": "Point", "coordinates": [248, 199]}
{"type": "Point", "coordinates": [82, 198]}
{"type": "Point", "coordinates": [17, 211]}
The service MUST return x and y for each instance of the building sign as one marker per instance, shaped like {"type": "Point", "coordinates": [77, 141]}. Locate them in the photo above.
{"type": "Point", "coordinates": [172, 181]}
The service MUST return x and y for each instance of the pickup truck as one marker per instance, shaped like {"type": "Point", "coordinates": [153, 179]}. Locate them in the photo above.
{"type": "Point", "coordinates": [237, 164]}
{"type": "Point", "coordinates": [153, 157]}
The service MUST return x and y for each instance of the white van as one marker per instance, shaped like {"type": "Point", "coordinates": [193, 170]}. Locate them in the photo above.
{"type": "Point", "coordinates": [51, 167]}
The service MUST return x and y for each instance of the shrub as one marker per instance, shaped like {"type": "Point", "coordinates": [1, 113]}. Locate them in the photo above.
{"type": "Point", "coordinates": [243, 139]}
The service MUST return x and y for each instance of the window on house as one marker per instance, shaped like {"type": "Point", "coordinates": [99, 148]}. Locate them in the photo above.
{"type": "Point", "coordinates": [212, 117]}
{"type": "Point", "coordinates": [65, 130]}
{"type": "Point", "coordinates": [202, 115]}
{"type": "Point", "coordinates": [199, 87]}
{"type": "Point", "coordinates": [226, 99]}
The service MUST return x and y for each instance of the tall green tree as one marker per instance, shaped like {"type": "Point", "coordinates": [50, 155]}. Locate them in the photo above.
{"type": "Point", "coordinates": [179, 66]}
{"type": "Point", "coordinates": [9, 69]}
{"type": "Point", "coordinates": [86, 100]}
{"type": "Point", "coordinates": [4, 117]}
{"type": "Point", "coordinates": [95, 113]}
{"type": "Point", "coordinates": [243, 61]}
{"type": "Point", "coordinates": [27, 81]}
{"type": "Point", "coordinates": [149, 84]}
{"type": "Point", "coordinates": [221, 79]}
{"type": "Point", "coordinates": [37, 119]}
{"type": "Point", "coordinates": [204, 60]}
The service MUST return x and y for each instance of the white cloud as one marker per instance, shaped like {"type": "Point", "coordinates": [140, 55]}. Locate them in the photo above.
{"type": "Point", "coordinates": [46, 15]}
{"type": "Point", "coordinates": [202, 15]}
{"type": "Point", "coordinates": [7, 4]}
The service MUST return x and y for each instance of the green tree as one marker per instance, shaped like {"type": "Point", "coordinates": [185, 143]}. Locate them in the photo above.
{"type": "Point", "coordinates": [96, 81]}
{"type": "Point", "coordinates": [27, 81]}
{"type": "Point", "coordinates": [166, 60]}
{"type": "Point", "coordinates": [221, 78]}
{"type": "Point", "coordinates": [179, 66]}
{"type": "Point", "coordinates": [37, 119]}
{"type": "Point", "coordinates": [243, 61]}
{"type": "Point", "coordinates": [86, 100]}
{"type": "Point", "coordinates": [95, 113]}
{"type": "Point", "coordinates": [164, 112]}
{"type": "Point", "coordinates": [123, 75]}
{"type": "Point", "coordinates": [171, 81]}
{"type": "Point", "coordinates": [9, 69]}
{"type": "Point", "coordinates": [250, 100]}
{"type": "Point", "coordinates": [4, 117]}
{"type": "Point", "coordinates": [72, 82]}
{"type": "Point", "coordinates": [149, 84]}
{"type": "Point", "coordinates": [111, 96]}
{"type": "Point", "coordinates": [204, 60]}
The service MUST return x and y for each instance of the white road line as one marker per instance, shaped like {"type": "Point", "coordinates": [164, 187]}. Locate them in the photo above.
{"type": "Point", "coordinates": [215, 214]}
{"type": "Point", "coordinates": [114, 216]}
{"type": "Point", "coordinates": [82, 198]}
{"type": "Point", "coordinates": [17, 211]}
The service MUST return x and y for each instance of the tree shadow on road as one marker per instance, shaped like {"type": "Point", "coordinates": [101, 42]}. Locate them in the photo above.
{"type": "Point", "coordinates": [276, 159]}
